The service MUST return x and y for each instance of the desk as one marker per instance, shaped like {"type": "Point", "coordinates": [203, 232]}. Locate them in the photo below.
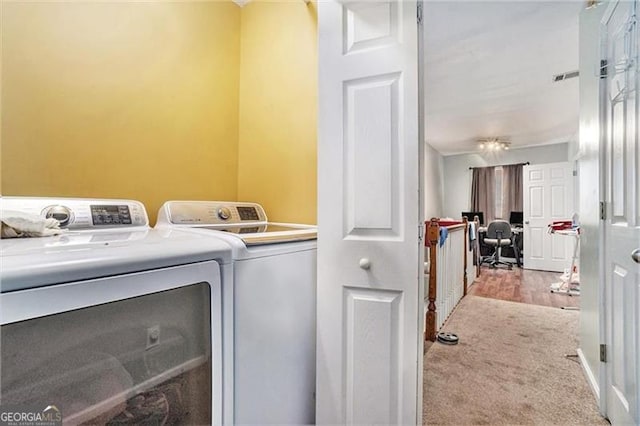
{"type": "Point", "coordinates": [516, 232]}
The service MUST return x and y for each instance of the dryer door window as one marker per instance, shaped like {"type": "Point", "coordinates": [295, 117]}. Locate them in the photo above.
{"type": "Point", "coordinates": [145, 359]}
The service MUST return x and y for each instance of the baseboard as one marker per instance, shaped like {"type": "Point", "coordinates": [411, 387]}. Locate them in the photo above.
{"type": "Point", "coordinates": [591, 378]}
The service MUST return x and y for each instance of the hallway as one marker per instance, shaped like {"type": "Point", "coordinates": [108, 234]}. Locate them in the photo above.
{"type": "Point", "coordinates": [510, 365]}
{"type": "Point", "coordinates": [508, 368]}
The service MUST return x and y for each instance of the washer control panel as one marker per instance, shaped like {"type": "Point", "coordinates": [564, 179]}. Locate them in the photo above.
{"type": "Point", "coordinates": [211, 213]}
{"type": "Point", "coordinates": [107, 214]}
{"type": "Point", "coordinates": [79, 213]}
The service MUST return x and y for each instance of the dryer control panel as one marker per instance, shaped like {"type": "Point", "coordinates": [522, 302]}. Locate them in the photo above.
{"type": "Point", "coordinates": [81, 213]}
{"type": "Point", "coordinates": [212, 213]}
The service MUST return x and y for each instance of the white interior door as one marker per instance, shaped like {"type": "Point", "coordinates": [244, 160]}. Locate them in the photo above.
{"type": "Point", "coordinates": [622, 224]}
{"type": "Point", "coordinates": [548, 196]}
{"type": "Point", "coordinates": [369, 341]}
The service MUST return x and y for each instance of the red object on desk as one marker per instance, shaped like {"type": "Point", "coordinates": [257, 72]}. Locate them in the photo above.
{"type": "Point", "coordinates": [449, 222]}
{"type": "Point", "coordinates": [560, 225]}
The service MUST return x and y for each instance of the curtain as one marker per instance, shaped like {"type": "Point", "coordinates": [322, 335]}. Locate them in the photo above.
{"type": "Point", "coordinates": [511, 189]}
{"type": "Point", "coordinates": [483, 190]}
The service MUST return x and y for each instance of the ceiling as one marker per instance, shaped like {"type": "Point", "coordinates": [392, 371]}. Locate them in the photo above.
{"type": "Point", "coordinates": [489, 69]}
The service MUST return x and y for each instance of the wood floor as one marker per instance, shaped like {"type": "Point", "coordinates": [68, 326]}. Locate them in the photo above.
{"type": "Point", "coordinates": [523, 286]}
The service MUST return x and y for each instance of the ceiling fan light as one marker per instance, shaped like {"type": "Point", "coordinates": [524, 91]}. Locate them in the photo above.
{"type": "Point", "coordinates": [492, 144]}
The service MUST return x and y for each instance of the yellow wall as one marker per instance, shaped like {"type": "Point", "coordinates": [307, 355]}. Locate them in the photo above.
{"type": "Point", "coordinates": [278, 96]}
{"type": "Point", "coordinates": [123, 99]}
{"type": "Point", "coordinates": [161, 100]}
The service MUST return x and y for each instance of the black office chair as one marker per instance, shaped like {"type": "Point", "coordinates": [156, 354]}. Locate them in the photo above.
{"type": "Point", "coordinates": [498, 236]}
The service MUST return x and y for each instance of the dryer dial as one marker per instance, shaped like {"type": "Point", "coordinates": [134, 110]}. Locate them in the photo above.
{"type": "Point", "coordinates": [224, 213]}
{"type": "Point", "coordinates": [61, 213]}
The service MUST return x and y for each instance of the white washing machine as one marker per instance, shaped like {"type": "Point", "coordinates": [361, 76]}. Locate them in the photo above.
{"type": "Point", "coordinates": [111, 321]}
{"type": "Point", "coordinates": [273, 303]}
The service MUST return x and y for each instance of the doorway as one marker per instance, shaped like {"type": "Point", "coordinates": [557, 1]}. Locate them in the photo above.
{"type": "Point", "coordinates": [490, 76]}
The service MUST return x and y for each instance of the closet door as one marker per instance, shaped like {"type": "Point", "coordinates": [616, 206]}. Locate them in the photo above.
{"type": "Point", "coordinates": [548, 196]}
{"type": "Point", "coordinates": [370, 249]}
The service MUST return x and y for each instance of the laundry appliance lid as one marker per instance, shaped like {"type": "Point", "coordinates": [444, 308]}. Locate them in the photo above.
{"type": "Point", "coordinates": [75, 256]}
{"type": "Point", "coordinates": [247, 221]}
{"type": "Point", "coordinates": [269, 233]}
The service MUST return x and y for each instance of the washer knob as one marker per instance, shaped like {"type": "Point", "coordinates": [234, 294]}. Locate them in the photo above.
{"type": "Point", "coordinates": [224, 213]}
{"type": "Point", "coordinates": [60, 213]}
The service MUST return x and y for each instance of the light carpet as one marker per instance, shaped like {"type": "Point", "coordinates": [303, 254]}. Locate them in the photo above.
{"type": "Point", "coordinates": [509, 367]}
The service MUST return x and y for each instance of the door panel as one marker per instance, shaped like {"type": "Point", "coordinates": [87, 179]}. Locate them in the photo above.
{"type": "Point", "coordinates": [536, 235]}
{"type": "Point", "coordinates": [625, 351]}
{"type": "Point", "coordinates": [617, 163]}
{"type": "Point", "coordinates": [371, 182]}
{"type": "Point", "coordinates": [370, 25]}
{"type": "Point", "coordinates": [535, 175]}
{"type": "Point", "coordinates": [558, 201]}
{"type": "Point", "coordinates": [549, 197]}
{"type": "Point", "coordinates": [373, 336]}
{"type": "Point", "coordinates": [636, 193]}
{"type": "Point", "coordinates": [536, 203]}
{"type": "Point", "coordinates": [369, 340]}
{"type": "Point", "coordinates": [622, 226]}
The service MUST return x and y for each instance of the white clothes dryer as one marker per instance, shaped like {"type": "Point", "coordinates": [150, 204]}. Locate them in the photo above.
{"type": "Point", "coordinates": [273, 306]}
{"type": "Point", "coordinates": [111, 321]}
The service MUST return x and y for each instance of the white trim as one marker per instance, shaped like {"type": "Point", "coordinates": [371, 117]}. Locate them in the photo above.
{"type": "Point", "coordinates": [591, 378]}
{"type": "Point", "coordinates": [241, 3]}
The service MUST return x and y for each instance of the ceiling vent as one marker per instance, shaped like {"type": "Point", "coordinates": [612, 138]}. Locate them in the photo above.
{"type": "Point", "coordinates": [565, 76]}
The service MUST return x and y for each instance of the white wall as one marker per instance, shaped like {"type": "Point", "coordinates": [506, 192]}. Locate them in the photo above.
{"type": "Point", "coordinates": [589, 197]}
{"type": "Point", "coordinates": [433, 183]}
{"type": "Point", "coordinates": [457, 176]}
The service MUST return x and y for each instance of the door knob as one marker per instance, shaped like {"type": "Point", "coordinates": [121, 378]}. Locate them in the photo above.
{"type": "Point", "coordinates": [526, 222]}
{"type": "Point", "coordinates": [365, 263]}
{"type": "Point", "coordinates": [635, 255]}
